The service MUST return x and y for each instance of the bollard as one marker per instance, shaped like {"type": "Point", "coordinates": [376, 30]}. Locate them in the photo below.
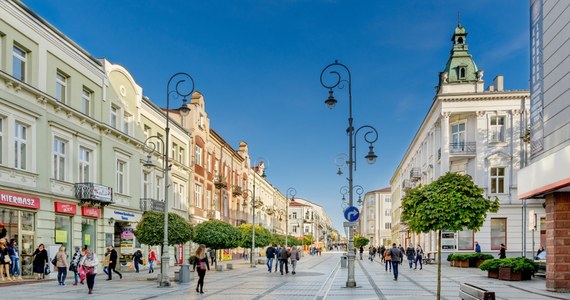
{"type": "Point", "coordinates": [343, 261]}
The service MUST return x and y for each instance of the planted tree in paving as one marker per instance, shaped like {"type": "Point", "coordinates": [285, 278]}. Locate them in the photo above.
{"type": "Point", "coordinates": [150, 230]}
{"type": "Point", "coordinates": [216, 235]}
{"type": "Point", "coordinates": [360, 241]}
{"type": "Point", "coordinates": [452, 202]}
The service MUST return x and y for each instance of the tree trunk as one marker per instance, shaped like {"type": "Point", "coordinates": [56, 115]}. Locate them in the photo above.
{"type": "Point", "coordinates": [438, 264]}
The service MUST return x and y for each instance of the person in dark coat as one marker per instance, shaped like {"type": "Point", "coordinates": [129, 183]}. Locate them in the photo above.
{"type": "Point", "coordinates": [284, 260]}
{"type": "Point", "coordinates": [270, 255]}
{"type": "Point", "coordinates": [503, 251]}
{"type": "Point", "coordinates": [137, 259]}
{"type": "Point", "coordinates": [113, 257]}
{"type": "Point", "coordinates": [397, 257]}
{"type": "Point", "coordinates": [40, 261]}
{"type": "Point", "coordinates": [411, 255]}
{"type": "Point", "coordinates": [201, 264]}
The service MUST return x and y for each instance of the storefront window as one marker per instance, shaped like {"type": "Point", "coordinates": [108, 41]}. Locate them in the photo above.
{"type": "Point", "coordinates": [465, 238]}
{"type": "Point", "coordinates": [88, 233]}
{"type": "Point", "coordinates": [62, 231]}
{"type": "Point", "coordinates": [9, 226]}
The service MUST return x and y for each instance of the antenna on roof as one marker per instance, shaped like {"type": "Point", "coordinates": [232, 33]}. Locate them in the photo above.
{"type": "Point", "coordinates": [459, 19]}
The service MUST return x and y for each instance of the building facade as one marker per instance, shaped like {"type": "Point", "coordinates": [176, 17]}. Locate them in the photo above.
{"type": "Point", "coordinates": [476, 131]}
{"type": "Point", "coordinates": [547, 175]}
{"type": "Point", "coordinates": [376, 217]}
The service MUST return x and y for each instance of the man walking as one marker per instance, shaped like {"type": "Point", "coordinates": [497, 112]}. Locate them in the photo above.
{"type": "Point", "coordinates": [213, 256]}
{"type": "Point", "coordinates": [283, 260]}
{"type": "Point", "coordinates": [277, 258]}
{"type": "Point", "coordinates": [113, 257]}
{"type": "Point", "coordinates": [397, 257]}
{"type": "Point", "coordinates": [270, 254]}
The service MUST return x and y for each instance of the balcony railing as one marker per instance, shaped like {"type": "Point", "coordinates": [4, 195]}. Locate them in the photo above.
{"type": "Point", "coordinates": [407, 184]}
{"type": "Point", "coordinates": [148, 204]}
{"type": "Point", "coordinates": [220, 182]}
{"type": "Point", "coordinates": [93, 193]}
{"type": "Point", "coordinates": [237, 191]}
{"type": "Point", "coordinates": [415, 173]}
{"type": "Point", "coordinates": [463, 148]}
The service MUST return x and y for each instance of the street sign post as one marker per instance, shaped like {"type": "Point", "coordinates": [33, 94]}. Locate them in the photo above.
{"type": "Point", "coordinates": [351, 214]}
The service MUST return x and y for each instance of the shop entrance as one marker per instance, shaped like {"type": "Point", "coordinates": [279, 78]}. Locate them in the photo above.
{"type": "Point", "coordinates": [20, 226]}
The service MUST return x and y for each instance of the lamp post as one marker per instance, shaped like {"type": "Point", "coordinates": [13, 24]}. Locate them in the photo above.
{"type": "Point", "coordinates": [370, 137]}
{"type": "Point", "coordinates": [178, 79]}
{"type": "Point", "coordinates": [290, 192]}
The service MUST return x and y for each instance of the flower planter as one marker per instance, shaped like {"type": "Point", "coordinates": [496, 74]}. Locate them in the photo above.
{"type": "Point", "coordinates": [493, 274]}
{"type": "Point", "coordinates": [508, 274]}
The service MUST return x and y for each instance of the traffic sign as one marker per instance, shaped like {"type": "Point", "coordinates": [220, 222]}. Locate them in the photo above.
{"type": "Point", "coordinates": [351, 214]}
{"type": "Point", "coordinates": [350, 224]}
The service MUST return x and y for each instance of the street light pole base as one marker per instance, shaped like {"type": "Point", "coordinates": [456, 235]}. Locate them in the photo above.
{"type": "Point", "coordinates": [351, 284]}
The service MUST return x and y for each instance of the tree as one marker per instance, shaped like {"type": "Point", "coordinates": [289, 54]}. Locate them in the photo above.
{"type": "Point", "coordinates": [360, 241]}
{"type": "Point", "coordinates": [217, 235]}
{"type": "Point", "coordinates": [150, 230]}
{"type": "Point", "coordinates": [307, 240]}
{"type": "Point", "coordinates": [262, 236]}
{"type": "Point", "coordinates": [278, 239]}
{"type": "Point", "coordinates": [452, 202]}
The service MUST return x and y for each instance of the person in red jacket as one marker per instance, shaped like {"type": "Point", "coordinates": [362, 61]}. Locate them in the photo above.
{"type": "Point", "coordinates": [151, 260]}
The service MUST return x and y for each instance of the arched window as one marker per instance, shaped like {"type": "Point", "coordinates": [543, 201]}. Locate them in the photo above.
{"type": "Point", "coordinates": [460, 40]}
{"type": "Point", "coordinates": [461, 72]}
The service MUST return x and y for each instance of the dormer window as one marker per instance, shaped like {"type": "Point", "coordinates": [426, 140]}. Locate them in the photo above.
{"type": "Point", "coordinates": [461, 72]}
{"type": "Point", "coordinates": [460, 40]}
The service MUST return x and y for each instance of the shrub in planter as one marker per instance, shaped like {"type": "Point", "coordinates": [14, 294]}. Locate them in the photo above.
{"type": "Point", "coordinates": [492, 267]}
{"type": "Point", "coordinates": [524, 267]}
{"type": "Point", "coordinates": [476, 259]}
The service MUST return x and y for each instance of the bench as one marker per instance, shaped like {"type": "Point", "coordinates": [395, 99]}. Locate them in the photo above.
{"type": "Point", "coordinates": [470, 292]}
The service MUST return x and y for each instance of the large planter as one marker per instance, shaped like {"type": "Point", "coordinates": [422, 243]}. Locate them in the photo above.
{"type": "Point", "coordinates": [493, 274]}
{"type": "Point", "coordinates": [462, 263]}
{"type": "Point", "coordinates": [452, 263]}
{"type": "Point", "coordinates": [508, 274]}
{"type": "Point", "coordinates": [478, 263]}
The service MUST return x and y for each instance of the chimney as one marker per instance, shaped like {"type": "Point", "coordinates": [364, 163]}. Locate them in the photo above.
{"type": "Point", "coordinates": [498, 83]}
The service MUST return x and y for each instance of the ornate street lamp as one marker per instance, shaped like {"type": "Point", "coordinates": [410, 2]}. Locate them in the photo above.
{"type": "Point", "coordinates": [290, 192]}
{"type": "Point", "coordinates": [370, 137]}
{"type": "Point", "coordinates": [178, 90]}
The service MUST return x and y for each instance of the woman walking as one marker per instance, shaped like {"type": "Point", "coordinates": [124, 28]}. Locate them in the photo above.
{"type": "Point", "coordinates": [74, 265]}
{"type": "Point", "coordinates": [388, 260]}
{"type": "Point", "coordinates": [89, 264]}
{"type": "Point", "coordinates": [40, 261]}
{"type": "Point", "coordinates": [61, 264]}
{"type": "Point", "coordinates": [151, 260]}
{"type": "Point", "coordinates": [295, 256]}
{"type": "Point", "coordinates": [14, 253]}
{"type": "Point", "coordinates": [201, 264]}
{"type": "Point", "coordinates": [5, 261]}
{"type": "Point", "coordinates": [410, 254]}
{"type": "Point", "coordinates": [419, 256]}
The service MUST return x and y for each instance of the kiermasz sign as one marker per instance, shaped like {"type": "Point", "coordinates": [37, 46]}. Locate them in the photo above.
{"type": "Point", "coordinates": [19, 200]}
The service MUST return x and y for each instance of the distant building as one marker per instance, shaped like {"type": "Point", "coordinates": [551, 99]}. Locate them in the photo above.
{"type": "Point", "coordinates": [548, 174]}
{"type": "Point", "coordinates": [471, 130]}
{"type": "Point", "coordinates": [376, 217]}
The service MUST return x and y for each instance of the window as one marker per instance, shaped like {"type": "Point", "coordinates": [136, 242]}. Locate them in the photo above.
{"type": "Point", "coordinates": [84, 164]}
{"type": "Point", "coordinates": [60, 87]}
{"type": "Point", "coordinates": [461, 72]}
{"type": "Point", "coordinates": [295, 228]}
{"type": "Point", "coordinates": [181, 155]}
{"type": "Point", "coordinates": [497, 129]}
{"type": "Point", "coordinates": [182, 193]}
{"type": "Point", "coordinates": [388, 212]}
{"type": "Point", "coordinates": [209, 163]}
{"type": "Point", "coordinates": [59, 146]}
{"type": "Point", "coordinates": [126, 122]}
{"type": "Point", "coordinates": [498, 233]}
{"type": "Point", "coordinates": [198, 156]}
{"type": "Point", "coordinates": [387, 199]}
{"type": "Point", "coordinates": [208, 200]}
{"type": "Point", "coordinates": [146, 131]}
{"type": "Point", "coordinates": [176, 200]}
{"type": "Point", "coordinates": [19, 60]}
{"type": "Point", "coordinates": [387, 225]}
{"type": "Point", "coordinates": [20, 143]}
{"type": "Point", "coordinates": [294, 215]}
{"type": "Point", "coordinates": [201, 121]}
{"type": "Point", "coordinates": [458, 137]}
{"type": "Point", "coordinates": [113, 119]}
{"type": "Point", "coordinates": [174, 150]}
{"type": "Point", "coordinates": [146, 186]}
{"type": "Point", "coordinates": [497, 180]}
{"type": "Point", "coordinates": [198, 195]}
{"type": "Point", "coordinates": [465, 240]}
{"type": "Point", "coordinates": [86, 101]}
{"type": "Point", "coordinates": [159, 195]}
{"type": "Point", "coordinates": [121, 185]}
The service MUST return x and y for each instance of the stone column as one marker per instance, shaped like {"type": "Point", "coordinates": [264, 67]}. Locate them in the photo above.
{"type": "Point", "coordinates": [558, 242]}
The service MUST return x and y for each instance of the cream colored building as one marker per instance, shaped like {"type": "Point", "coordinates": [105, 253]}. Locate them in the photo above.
{"type": "Point", "coordinates": [375, 222]}
{"type": "Point", "coordinates": [475, 131]}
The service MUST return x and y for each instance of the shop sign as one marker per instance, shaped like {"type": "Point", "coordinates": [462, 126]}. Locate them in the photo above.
{"type": "Point", "coordinates": [124, 216]}
{"type": "Point", "coordinates": [65, 208]}
{"type": "Point", "coordinates": [127, 240]}
{"type": "Point", "coordinates": [87, 211]}
{"type": "Point", "coordinates": [12, 199]}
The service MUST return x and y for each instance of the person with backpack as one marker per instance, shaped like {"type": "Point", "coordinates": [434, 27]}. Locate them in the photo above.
{"type": "Point", "coordinates": [387, 260]}
{"type": "Point", "coordinates": [381, 253]}
{"type": "Point", "coordinates": [137, 259]}
{"type": "Point", "coordinates": [397, 256]}
{"type": "Point", "coordinates": [295, 256]}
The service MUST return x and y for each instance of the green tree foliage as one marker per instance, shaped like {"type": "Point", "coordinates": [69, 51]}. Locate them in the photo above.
{"type": "Point", "coordinates": [360, 241]}
{"type": "Point", "coordinates": [452, 202]}
{"type": "Point", "coordinates": [262, 236]}
{"type": "Point", "coordinates": [308, 240]}
{"type": "Point", "coordinates": [278, 239]}
{"type": "Point", "coordinates": [293, 241]}
{"type": "Point", "coordinates": [217, 235]}
{"type": "Point", "coordinates": [150, 230]}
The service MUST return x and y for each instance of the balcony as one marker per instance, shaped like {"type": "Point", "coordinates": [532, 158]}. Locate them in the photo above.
{"type": "Point", "coordinates": [463, 149]}
{"type": "Point", "coordinates": [407, 184]}
{"type": "Point", "coordinates": [93, 194]}
{"type": "Point", "coordinates": [148, 204]}
{"type": "Point", "coordinates": [237, 191]}
{"type": "Point", "coordinates": [415, 173]}
{"type": "Point", "coordinates": [220, 182]}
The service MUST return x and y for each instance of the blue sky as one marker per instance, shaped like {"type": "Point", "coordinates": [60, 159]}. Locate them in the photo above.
{"type": "Point", "coordinates": [258, 63]}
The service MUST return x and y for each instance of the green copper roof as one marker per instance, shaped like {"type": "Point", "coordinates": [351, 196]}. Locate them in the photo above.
{"type": "Point", "coordinates": [461, 67]}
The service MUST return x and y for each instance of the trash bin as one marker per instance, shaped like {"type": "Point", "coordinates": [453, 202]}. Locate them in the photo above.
{"type": "Point", "coordinates": [343, 261]}
{"type": "Point", "coordinates": [184, 273]}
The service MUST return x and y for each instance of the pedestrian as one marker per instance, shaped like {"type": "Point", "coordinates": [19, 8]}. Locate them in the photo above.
{"type": "Point", "coordinates": [40, 262]}
{"type": "Point", "coordinates": [540, 250]}
{"type": "Point", "coordinates": [245, 256]}
{"type": "Point", "coordinates": [14, 253]}
{"type": "Point", "coordinates": [411, 255]}
{"type": "Point", "coordinates": [277, 258]}
{"type": "Point", "coordinates": [502, 252]}
{"type": "Point", "coordinates": [74, 265]}
{"type": "Point", "coordinates": [201, 264]}
{"type": "Point", "coordinates": [106, 260]}
{"type": "Point", "coordinates": [270, 254]}
{"type": "Point", "coordinates": [151, 260]}
{"type": "Point", "coordinates": [397, 255]}
{"type": "Point", "coordinates": [212, 254]}
{"type": "Point", "coordinates": [284, 260]}
{"type": "Point", "coordinates": [89, 264]}
{"type": "Point", "coordinates": [477, 247]}
{"type": "Point", "coordinates": [419, 257]}
{"type": "Point", "coordinates": [62, 265]}
{"type": "Point", "coordinates": [137, 259]}
{"type": "Point", "coordinates": [295, 257]}
{"type": "Point", "coordinates": [381, 253]}
{"type": "Point", "coordinates": [401, 250]}
{"type": "Point", "coordinates": [113, 260]}
{"type": "Point", "coordinates": [387, 260]}
{"type": "Point", "coordinates": [361, 250]}
{"type": "Point", "coordinates": [5, 261]}
{"type": "Point", "coordinates": [3, 231]}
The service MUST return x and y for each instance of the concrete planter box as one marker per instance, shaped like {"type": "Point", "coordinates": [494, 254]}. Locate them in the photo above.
{"type": "Point", "coordinates": [493, 274]}
{"type": "Point", "coordinates": [461, 264]}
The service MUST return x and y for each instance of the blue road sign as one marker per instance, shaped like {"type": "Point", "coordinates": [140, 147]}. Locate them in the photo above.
{"type": "Point", "coordinates": [351, 214]}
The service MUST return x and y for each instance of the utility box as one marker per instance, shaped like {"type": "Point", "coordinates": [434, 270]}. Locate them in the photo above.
{"type": "Point", "coordinates": [344, 261]}
{"type": "Point", "coordinates": [184, 273]}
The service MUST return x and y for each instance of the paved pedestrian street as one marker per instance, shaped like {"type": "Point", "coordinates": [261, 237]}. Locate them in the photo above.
{"type": "Point", "coordinates": [318, 277]}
